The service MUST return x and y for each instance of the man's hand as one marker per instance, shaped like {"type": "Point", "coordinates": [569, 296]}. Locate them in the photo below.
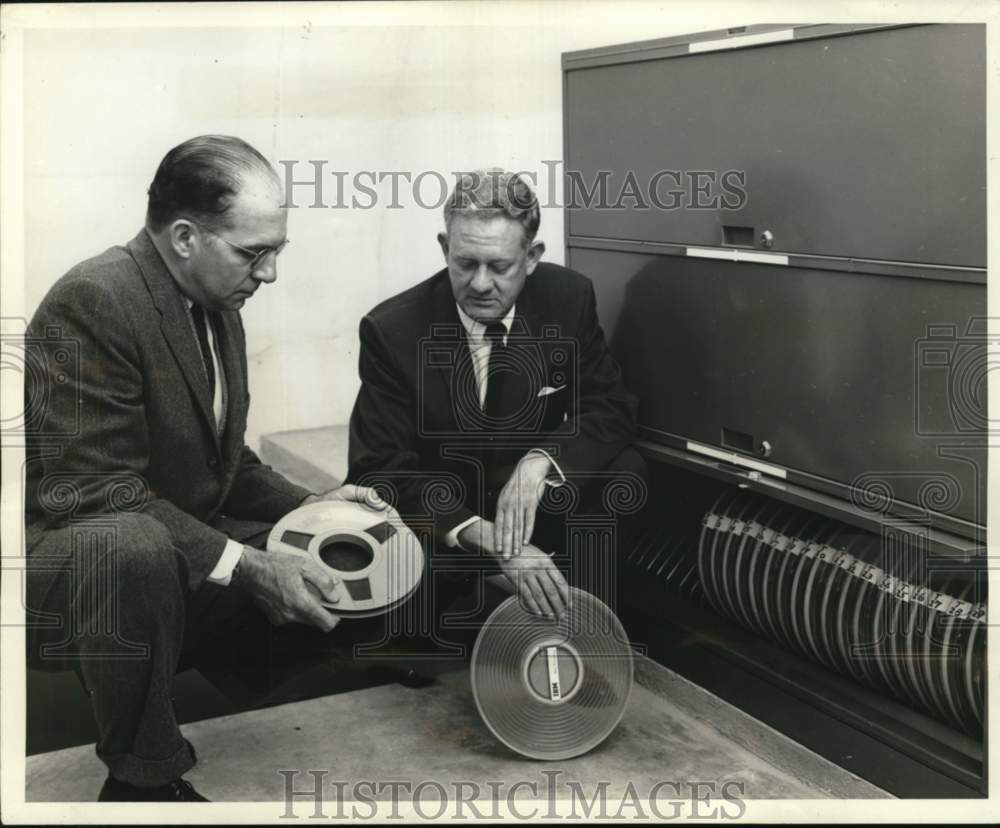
{"type": "Point", "coordinates": [355, 494]}
{"type": "Point", "coordinates": [517, 504]}
{"type": "Point", "coordinates": [538, 581]}
{"type": "Point", "coordinates": [289, 587]}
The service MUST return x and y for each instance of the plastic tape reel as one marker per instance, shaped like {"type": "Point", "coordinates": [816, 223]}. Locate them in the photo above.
{"type": "Point", "coordinates": [379, 562]}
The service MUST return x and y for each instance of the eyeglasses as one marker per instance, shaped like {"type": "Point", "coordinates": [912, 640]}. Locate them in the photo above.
{"type": "Point", "coordinates": [256, 256]}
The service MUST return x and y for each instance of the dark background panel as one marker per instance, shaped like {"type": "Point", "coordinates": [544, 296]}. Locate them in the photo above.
{"type": "Point", "coordinates": [849, 143]}
{"type": "Point", "coordinates": [823, 365]}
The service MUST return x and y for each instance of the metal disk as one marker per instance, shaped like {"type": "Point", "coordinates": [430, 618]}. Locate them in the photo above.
{"type": "Point", "coordinates": [379, 562]}
{"type": "Point", "coordinates": [552, 689]}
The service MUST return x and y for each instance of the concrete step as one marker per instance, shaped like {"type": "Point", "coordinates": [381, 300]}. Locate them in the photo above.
{"type": "Point", "coordinates": [313, 457]}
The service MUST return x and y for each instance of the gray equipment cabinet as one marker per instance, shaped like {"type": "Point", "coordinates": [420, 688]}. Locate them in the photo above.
{"type": "Point", "coordinates": [786, 229]}
{"type": "Point", "coordinates": [840, 339]}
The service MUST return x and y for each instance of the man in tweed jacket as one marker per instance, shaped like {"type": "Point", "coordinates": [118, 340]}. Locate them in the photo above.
{"type": "Point", "coordinates": [145, 510]}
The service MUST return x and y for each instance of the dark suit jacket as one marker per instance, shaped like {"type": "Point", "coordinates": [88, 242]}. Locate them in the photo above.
{"type": "Point", "coordinates": [414, 429]}
{"type": "Point", "coordinates": [125, 421]}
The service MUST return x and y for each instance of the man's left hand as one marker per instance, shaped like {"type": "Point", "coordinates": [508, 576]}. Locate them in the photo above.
{"type": "Point", "coordinates": [517, 504]}
{"type": "Point", "coordinates": [540, 585]}
{"type": "Point", "coordinates": [355, 494]}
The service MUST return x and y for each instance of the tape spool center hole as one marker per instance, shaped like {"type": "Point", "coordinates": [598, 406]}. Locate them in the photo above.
{"type": "Point", "coordinates": [553, 671]}
{"type": "Point", "coordinates": [346, 553]}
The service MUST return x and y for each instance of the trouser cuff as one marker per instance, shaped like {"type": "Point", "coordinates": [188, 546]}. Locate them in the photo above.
{"type": "Point", "coordinates": [150, 773]}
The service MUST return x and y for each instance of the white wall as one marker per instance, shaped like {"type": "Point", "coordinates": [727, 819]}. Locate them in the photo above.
{"type": "Point", "coordinates": [102, 106]}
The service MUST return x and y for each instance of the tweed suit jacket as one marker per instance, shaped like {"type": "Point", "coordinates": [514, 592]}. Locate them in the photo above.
{"type": "Point", "coordinates": [125, 421]}
{"type": "Point", "coordinates": [415, 425]}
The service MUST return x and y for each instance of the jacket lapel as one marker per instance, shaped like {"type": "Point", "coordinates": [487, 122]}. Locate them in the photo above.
{"type": "Point", "coordinates": [449, 337]}
{"type": "Point", "coordinates": [516, 384]}
{"type": "Point", "coordinates": [174, 322]}
{"type": "Point", "coordinates": [520, 386]}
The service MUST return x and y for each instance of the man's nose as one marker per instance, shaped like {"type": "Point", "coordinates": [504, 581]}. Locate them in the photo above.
{"type": "Point", "coordinates": [481, 282]}
{"type": "Point", "coordinates": [267, 270]}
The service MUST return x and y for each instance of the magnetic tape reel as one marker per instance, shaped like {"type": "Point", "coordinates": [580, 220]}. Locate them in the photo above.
{"type": "Point", "coordinates": [378, 560]}
{"type": "Point", "coordinates": [552, 689]}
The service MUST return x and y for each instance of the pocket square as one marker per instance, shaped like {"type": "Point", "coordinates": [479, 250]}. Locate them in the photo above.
{"type": "Point", "coordinates": [548, 389]}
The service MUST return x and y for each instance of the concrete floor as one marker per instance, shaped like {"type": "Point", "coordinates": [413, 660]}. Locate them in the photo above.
{"type": "Point", "coordinates": [672, 730]}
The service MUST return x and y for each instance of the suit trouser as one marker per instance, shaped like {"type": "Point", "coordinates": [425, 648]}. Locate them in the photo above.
{"type": "Point", "coordinates": [109, 598]}
{"type": "Point", "coordinates": [588, 537]}
{"type": "Point", "coordinates": [585, 532]}
{"type": "Point", "coordinates": [586, 527]}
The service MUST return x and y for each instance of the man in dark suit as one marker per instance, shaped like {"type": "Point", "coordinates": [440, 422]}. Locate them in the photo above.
{"type": "Point", "coordinates": [485, 386]}
{"type": "Point", "coordinates": [146, 513]}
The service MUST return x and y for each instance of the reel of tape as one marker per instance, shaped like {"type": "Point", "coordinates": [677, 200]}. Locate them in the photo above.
{"type": "Point", "coordinates": [552, 689]}
{"type": "Point", "coordinates": [379, 562]}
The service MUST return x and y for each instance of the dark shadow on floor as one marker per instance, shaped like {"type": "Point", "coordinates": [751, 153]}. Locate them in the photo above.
{"type": "Point", "coordinates": [259, 666]}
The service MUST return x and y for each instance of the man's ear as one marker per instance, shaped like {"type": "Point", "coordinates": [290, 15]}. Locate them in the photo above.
{"type": "Point", "coordinates": [182, 238]}
{"type": "Point", "coordinates": [534, 255]}
{"type": "Point", "coordinates": [443, 241]}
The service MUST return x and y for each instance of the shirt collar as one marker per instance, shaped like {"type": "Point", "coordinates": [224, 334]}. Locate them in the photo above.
{"type": "Point", "coordinates": [476, 329]}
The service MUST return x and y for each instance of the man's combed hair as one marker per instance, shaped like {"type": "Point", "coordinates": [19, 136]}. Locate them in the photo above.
{"type": "Point", "coordinates": [495, 192]}
{"type": "Point", "coordinates": [200, 178]}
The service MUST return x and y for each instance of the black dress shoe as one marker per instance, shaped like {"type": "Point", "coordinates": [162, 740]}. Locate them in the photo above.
{"type": "Point", "coordinates": [414, 680]}
{"type": "Point", "coordinates": [179, 790]}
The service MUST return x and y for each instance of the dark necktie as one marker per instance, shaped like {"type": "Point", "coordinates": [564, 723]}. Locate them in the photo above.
{"type": "Point", "coordinates": [494, 374]}
{"type": "Point", "coordinates": [201, 329]}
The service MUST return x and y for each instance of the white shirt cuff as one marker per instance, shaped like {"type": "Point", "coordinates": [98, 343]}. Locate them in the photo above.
{"type": "Point", "coordinates": [223, 572]}
{"type": "Point", "coordinates": [451, 539]}
{"type": "Point", "coordinates": [555, 465]}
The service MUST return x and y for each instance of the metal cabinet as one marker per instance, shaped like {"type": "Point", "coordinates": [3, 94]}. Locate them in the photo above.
{"type": "Point", "coordinates": [823, 374]}
{"type": "Point", "coordinates": [870, 144]}
{"type": "Point", "coordinates": [848, 354]}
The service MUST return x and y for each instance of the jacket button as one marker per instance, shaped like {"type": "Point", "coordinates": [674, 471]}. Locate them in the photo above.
{"type": "Point", "coordinates": [212, 462]}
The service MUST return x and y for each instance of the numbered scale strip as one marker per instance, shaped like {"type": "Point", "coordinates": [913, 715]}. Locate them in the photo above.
{"type": "Point", "coordinates": [812, 584]}
{"type": "Point", "coordinates": [885, 581]}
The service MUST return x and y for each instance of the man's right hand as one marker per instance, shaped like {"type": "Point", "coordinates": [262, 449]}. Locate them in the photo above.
{"type": "Point", "coordinates": [289, 588]}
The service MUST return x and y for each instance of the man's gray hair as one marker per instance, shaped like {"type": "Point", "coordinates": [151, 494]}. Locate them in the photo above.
{"type": "Point", "coordinates": [495, 192]}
